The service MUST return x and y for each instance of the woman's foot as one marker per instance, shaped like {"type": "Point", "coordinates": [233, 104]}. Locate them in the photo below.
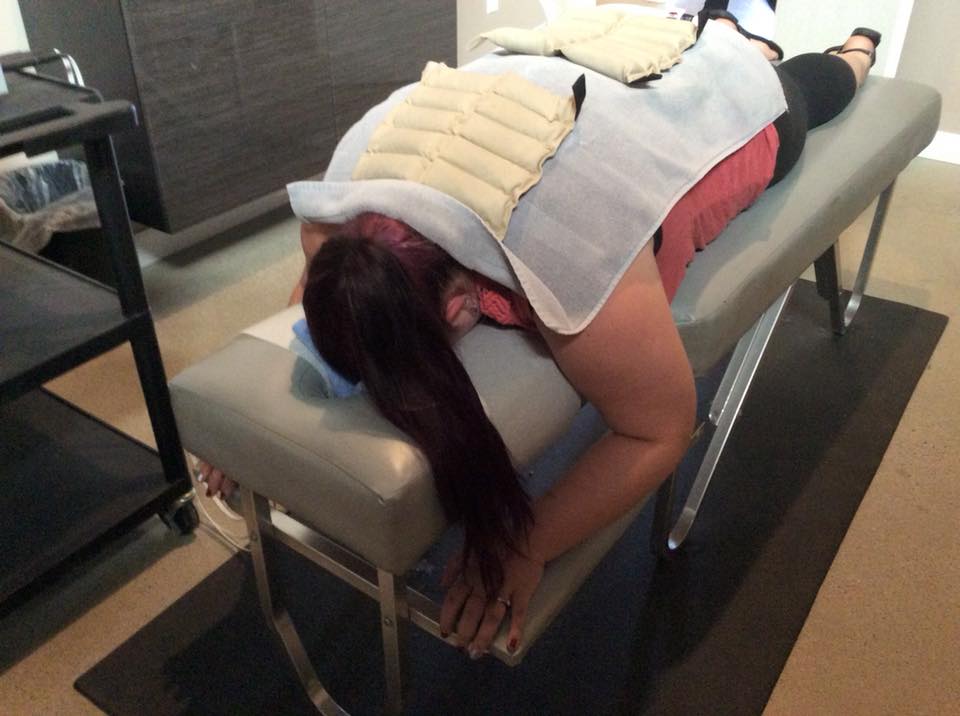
{"type": "Point", "coordinates": [859, 51]}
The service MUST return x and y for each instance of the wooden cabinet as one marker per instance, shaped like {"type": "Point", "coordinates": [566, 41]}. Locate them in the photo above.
{"type": "Point", "coordinates": [379, 45]}
{"type": "Point", "coordinates": [238, 97]}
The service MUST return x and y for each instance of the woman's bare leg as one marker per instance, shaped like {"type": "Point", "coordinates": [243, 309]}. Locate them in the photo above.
{"type": "Point", "coordinates": [858, 61]}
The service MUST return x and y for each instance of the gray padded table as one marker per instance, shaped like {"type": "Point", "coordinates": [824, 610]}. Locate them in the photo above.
{"type": "Point", "coordinates": [259, 412]}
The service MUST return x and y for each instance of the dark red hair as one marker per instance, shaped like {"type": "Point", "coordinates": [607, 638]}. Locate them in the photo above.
{"type": "Point", "coordinates": [374, 306]}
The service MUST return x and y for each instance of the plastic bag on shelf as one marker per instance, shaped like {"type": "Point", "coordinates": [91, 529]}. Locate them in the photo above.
{"type": "Point", "coordinates": [39, 200]}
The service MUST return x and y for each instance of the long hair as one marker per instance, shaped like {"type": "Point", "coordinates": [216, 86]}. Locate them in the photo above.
{"type": "Point", "coordinates": [373, 303]}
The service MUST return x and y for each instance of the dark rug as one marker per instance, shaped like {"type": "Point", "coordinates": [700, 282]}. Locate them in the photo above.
{"type": "Point", "coordinates": [705, 631]}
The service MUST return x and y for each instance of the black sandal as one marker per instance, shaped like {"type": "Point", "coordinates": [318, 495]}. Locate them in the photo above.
{"type": "Point", "coordinates": [724, 15]}
{"type": "Point", "coordinates": [866, 32]}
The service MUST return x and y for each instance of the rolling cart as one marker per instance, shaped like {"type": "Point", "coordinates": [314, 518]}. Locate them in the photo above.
{"type": "Point", "coordinates": [67, 480]}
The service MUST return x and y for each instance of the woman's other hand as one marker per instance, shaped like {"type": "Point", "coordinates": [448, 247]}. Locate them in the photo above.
{"type": "Point", "coordinates": [474, 616]}
{"type": "Point", "coordinates": [214, 479]}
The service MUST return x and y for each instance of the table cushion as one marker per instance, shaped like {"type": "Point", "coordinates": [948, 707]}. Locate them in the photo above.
{"type": "Point", "coordinates": [261, 414]}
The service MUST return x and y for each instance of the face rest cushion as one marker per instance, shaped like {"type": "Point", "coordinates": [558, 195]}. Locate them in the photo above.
{"type": "Point", "coordinates": [339, 386]}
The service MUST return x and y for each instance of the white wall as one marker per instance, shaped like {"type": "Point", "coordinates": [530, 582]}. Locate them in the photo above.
{"type": "Point", "coordinates": [931, 55]}
{"type": "Point", "coordinates": [13, 38]}
{"type": "Point", "coordinates": [472, 19]}
{"type": "Point", "coordinates": [919, 43]}
{"type": "Point", "coordinates": [814, 25]}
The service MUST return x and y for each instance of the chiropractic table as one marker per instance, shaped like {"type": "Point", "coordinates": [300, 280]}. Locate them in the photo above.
{"type": "Point", "coordinates": [258, 411]}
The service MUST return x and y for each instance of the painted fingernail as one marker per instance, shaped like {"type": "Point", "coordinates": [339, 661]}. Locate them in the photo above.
{"type": "Point", "coordinates": [512, 646]}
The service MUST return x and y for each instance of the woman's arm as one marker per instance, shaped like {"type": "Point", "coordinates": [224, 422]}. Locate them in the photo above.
{"type": "Point", "coordinates": [629, 362]}
{"type": "Point", "coordinates": [631, 365]}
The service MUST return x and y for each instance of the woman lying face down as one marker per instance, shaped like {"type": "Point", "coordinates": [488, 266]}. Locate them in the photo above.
{"type": "Point", "coordinates": [385, 306]}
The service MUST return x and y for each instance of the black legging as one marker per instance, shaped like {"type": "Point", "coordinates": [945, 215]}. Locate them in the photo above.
{"type": "Point", "coordinates": [817, 87]}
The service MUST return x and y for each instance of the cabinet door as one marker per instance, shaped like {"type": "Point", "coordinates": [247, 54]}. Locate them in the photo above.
{"type": "Point", "coordinates": [236, 97]}
{"type": "Point", "coordinates": [379, 45]}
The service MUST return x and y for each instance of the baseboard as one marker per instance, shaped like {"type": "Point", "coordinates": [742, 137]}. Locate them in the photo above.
{"type": "Point", "coordinates": [153, 245]}
{"type": "Point", "coordinates": [945, 147]}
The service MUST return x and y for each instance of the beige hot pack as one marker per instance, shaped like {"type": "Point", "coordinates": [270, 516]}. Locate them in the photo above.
{"type": "Point", "coordinates": [620, 45]}
{"type": "Point", "coordinates": [481, 139]}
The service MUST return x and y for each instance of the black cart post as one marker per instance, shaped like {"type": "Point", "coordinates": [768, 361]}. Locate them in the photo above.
{"type": "Point", "coordinates": [69, 480]}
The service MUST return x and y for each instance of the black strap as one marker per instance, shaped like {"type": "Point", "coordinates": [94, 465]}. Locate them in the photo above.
{"type": "Point", "coordinates": [579, 94]}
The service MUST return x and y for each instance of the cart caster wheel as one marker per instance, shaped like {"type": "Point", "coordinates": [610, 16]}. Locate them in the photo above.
{"type": "Point", "coordinates": [185, 518]}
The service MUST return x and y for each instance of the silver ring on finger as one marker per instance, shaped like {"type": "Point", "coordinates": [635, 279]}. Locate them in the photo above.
{"type": "Point", "coordinates": [504, 601]}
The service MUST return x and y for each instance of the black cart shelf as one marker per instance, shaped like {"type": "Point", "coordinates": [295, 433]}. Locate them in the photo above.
{"type": "Point", "coordinates": [68, 480]}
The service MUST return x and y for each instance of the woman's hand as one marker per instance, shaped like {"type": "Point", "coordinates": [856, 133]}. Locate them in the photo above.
{"type": "Point", "coordinates": [474, 616]}
{"type": "Point", "coordinates": [215, 480]}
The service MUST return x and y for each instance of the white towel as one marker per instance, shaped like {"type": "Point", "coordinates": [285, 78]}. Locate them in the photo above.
{"type": "Point", "coordinates": [632, 154]}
